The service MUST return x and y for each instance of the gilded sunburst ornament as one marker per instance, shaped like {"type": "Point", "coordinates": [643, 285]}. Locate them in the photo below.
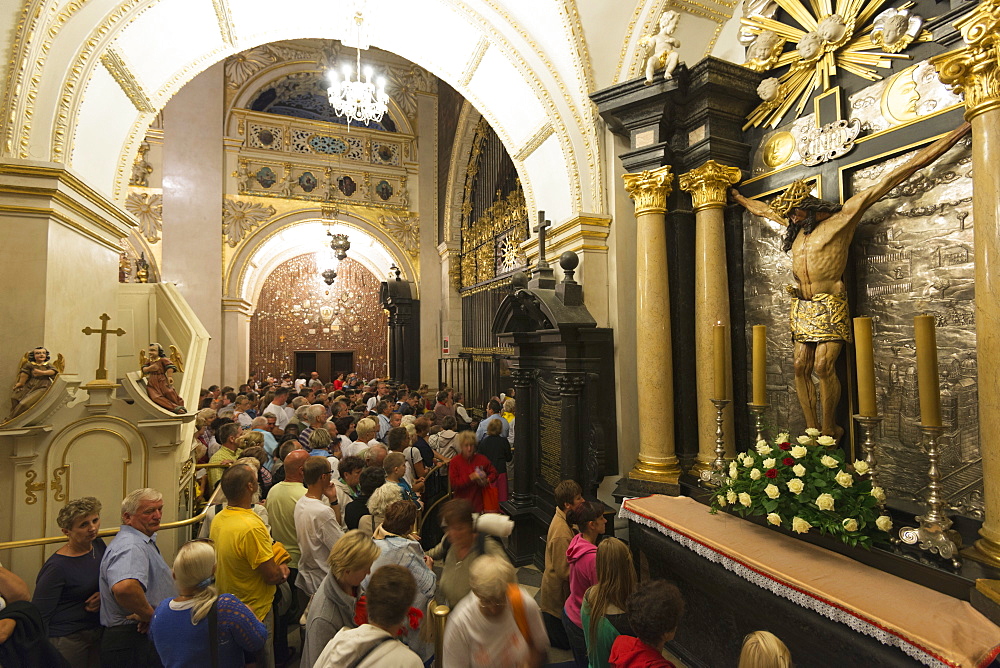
{"type": "Point", "coordinates": [826, 39]}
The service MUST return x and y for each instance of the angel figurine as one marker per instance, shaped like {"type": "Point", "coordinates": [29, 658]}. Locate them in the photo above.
{"type": "Point", "coordinates": [34, 377]}
{"type": "Point", "coordinates": [159, 371]}
{"type": "Point", "coordinates": [661, 48]}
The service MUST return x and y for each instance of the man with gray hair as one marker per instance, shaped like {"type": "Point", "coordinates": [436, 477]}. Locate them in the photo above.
{"type": "Point", "coordinates": [315, 418]}
{"type": "Point", "coordinates": [134, 578]}
{"type": "Point", "coordinates": [265, 426]}
{"type": "Point", "coordinates": [376, 455]}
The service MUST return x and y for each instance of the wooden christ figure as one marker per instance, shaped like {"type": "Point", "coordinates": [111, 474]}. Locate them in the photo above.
{"type": "Point", "coordinates": [819, 234]}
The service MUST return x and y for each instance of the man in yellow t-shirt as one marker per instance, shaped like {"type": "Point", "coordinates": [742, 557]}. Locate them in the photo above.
{"type": "Point", "coordinates": [245, 564]}
{"type": "Point", "coordinates": [228, 451]}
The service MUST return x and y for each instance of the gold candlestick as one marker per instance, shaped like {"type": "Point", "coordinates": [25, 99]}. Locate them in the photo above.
{"type": "Point", "coordinates": [715, 476]}
{"type": "Point", "coordinates": [928, 381]}
{"type": "Point", "coordinates": [759, 365]}
{"type": "Point", "coordinates": [933, 533]}
{"type": "Point", "coordinates": [865, 357]}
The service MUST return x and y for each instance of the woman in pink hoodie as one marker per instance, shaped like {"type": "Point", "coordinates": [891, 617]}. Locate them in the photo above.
{"type": "Point", "coordinates": [582, 558]}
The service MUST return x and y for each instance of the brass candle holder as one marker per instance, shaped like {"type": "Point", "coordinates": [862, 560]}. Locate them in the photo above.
{"type": "Point", "coordinates": [757, 410]}
{"type": "Point", "coordinates": [868, 427]}
{"type": "Point", "coordinates": [715, 476]}
{"type": "Point", "coordinates": [933, 533]}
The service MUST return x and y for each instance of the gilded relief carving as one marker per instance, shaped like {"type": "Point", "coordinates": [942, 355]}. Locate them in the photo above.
{"type": "Point", "coordinates": [148, 210]}
{"type": "Point", "coordinates": [239, 218]}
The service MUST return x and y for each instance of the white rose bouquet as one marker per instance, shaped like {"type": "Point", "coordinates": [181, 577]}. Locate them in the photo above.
{"type": "Point", "coordinates": [804, 485]}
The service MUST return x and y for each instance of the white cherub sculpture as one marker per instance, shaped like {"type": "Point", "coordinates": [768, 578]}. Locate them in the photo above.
{"type": "Point", "coordinates": [661, 48]}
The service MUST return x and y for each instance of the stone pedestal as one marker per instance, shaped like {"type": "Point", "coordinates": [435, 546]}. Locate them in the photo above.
{"type": "Point", "coordinates": [975, 70]}
{"type": "Point", "coordinates": [657, 461]}
{"type": "Point", "coordinates": [708, 186]}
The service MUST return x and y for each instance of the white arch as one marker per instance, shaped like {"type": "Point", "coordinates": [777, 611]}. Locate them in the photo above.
{"type": "Point", "coordinates": [303, 232]}
{"type": "Point", "coordinates": [520, 66]}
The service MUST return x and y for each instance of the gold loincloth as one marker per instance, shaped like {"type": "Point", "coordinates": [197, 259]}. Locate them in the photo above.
{"type": "Point", "coordinates": [825, 317]}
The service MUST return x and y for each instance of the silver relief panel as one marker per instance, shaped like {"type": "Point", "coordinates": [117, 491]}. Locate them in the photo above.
{"type": "Point", "coordinates": [912, 254]}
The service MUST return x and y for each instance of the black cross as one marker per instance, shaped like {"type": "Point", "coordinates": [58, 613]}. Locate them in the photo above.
{"type": "Point", "coordinates": [540, 230]}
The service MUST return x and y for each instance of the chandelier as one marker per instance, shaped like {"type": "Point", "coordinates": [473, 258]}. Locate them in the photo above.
{"type": "Point", "coordinates": [339, 244]}
{"type": "Point", "coordinates": [357, 100]}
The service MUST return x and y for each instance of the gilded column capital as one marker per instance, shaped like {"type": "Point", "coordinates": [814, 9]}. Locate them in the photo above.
{"type": "Point", "coordinates": [649, 189]}
{"type": "Point", "coordinates": [975, 69]}
{"type": "Point", "coordinates": [709, 184]}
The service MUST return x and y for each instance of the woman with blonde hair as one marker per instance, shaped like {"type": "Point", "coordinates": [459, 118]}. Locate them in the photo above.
{"type": "Point", "coordinates": [200, 623]}
{"type": "Point", "coordinates": [332, 606]}
{"type": "Point", "coordinates": [603, 611]}
{"type": "Point", "coordinates": [763, 649]}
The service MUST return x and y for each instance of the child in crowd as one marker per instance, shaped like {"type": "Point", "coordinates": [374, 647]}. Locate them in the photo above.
{"type": "Point", "coordinates": [654, 612]}
{"type": "Point", "coordinates": [762, 649]}
{"type": "Point", "coordinates": [395, 469]}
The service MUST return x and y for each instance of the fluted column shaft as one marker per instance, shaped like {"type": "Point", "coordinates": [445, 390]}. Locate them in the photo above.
{"type": "Point", "coordinates": [974, 70]}
{"type": "Point", "coordinates": [657, 461]}
{"type": "Point", "coordinates": [708, 185]}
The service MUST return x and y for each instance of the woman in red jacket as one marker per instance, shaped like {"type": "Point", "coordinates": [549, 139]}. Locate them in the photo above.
{"type": "Point", "coordinates": [470, 472]}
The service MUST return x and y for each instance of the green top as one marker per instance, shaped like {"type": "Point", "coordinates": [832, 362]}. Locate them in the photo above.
{"type": "Point", "coordinates": [598, 652]}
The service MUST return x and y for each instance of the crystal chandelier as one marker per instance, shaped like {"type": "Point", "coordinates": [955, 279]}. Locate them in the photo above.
{"type": "Point", "coordinates": [357, 100]}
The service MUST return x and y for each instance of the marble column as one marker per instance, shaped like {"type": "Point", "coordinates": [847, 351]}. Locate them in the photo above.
{"type": "Point", "coordinates": [975, 71]}
{"type": "Point", "coordinates": [235, 341]}
{"type": "Point", "coordinates": [657, 461]}
{"type": "Point", "coordinates": [708, 185]}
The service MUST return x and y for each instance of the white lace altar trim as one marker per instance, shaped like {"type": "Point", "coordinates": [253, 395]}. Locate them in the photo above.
{"type": "Point", "coordinates": [796, 596]}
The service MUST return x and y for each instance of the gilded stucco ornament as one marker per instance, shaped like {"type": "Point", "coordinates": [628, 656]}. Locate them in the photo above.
{"type": "Point", "coordinates": [895, 29]}
{"type": "Point", "coordinates": [763, 54]}
{"type": "Point", "coordinates": [974, 70]}
{"type": "Point", "coordinates": [709, 184]}
{"type": "Point", "coordinates": [649, 189]}
{"type": "Point", "coordinates": [826, 39]}
{"type": "Point", "coordinates": [239, 218]}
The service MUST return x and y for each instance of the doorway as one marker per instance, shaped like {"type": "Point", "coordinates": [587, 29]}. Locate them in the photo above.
{"type": "Point", "coordinates": [329, 363]}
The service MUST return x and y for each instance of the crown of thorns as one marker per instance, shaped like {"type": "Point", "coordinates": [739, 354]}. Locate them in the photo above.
{"type": "Point", "coordinates": [791, 198]}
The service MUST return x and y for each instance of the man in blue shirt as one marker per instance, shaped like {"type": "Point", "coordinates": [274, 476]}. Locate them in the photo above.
{"type": "Point", "coordinates": [492, 413]}
{"type": "Point", "coordinates": [134, 579]}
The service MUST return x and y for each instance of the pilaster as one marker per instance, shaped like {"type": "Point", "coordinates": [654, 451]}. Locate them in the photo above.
{"type": "Point", "coordinates": [975, 71]}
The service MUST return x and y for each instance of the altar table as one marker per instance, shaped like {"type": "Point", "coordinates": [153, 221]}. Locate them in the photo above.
{"type": "Point", "coordinates": [830, 610]}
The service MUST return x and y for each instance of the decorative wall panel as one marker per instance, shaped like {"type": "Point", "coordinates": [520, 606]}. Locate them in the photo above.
{"type": "Point", "coordinates": [298, 311]}
{"type": "Point", "coordinates": [912, 254]}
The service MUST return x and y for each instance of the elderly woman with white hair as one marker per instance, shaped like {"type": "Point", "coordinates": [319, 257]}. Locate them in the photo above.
{"type": "Point", "coordinates": [200, 626]}
{"type": "Point", "coordinates": [498, 624]}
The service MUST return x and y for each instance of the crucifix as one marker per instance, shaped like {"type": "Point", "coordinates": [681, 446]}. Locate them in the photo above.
{"type": "Point", "coordinates": [102, 372]}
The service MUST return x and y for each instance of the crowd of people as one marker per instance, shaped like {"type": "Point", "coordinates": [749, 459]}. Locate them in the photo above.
{"type": "Point", "coordinates": [325, 527]}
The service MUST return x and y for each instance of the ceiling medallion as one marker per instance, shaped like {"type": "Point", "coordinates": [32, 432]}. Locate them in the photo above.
{"type": "Point", "coordinates": [826, 40]}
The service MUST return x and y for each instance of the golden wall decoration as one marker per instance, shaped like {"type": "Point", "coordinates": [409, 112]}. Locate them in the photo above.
{"type": "Point", "coordinates": [298, 311]}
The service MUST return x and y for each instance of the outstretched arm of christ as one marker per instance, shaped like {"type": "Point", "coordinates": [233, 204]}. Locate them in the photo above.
{"type": "Point", "coordinates": [858, 204]}
{"type": "Point", "coordinates": [758, 208]}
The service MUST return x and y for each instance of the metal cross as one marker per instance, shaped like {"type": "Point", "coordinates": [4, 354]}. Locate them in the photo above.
{"type": "Point", "coordinates": [540, 230]}
{"type": "Point", "coordinates": [102, 372]}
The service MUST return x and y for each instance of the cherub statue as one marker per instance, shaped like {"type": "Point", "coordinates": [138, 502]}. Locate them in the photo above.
{"type": "Point", "coordinates": [159, 371]}
{"type": "Point", "coordinates": [34, 377]}
{"type": "Point", "coordinates": [661, 48]}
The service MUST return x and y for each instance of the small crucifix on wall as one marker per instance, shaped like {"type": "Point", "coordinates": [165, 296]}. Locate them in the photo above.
{"type": "Point", "coordinates": [102, 372]}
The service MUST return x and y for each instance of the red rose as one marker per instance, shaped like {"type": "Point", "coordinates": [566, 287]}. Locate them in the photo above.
{"type": "Point", "coordinates": [787, 461]}
{"type": "Point", "coordinates": [785, 446]}
{"type": "Point", "coordinates": [772, 473]}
